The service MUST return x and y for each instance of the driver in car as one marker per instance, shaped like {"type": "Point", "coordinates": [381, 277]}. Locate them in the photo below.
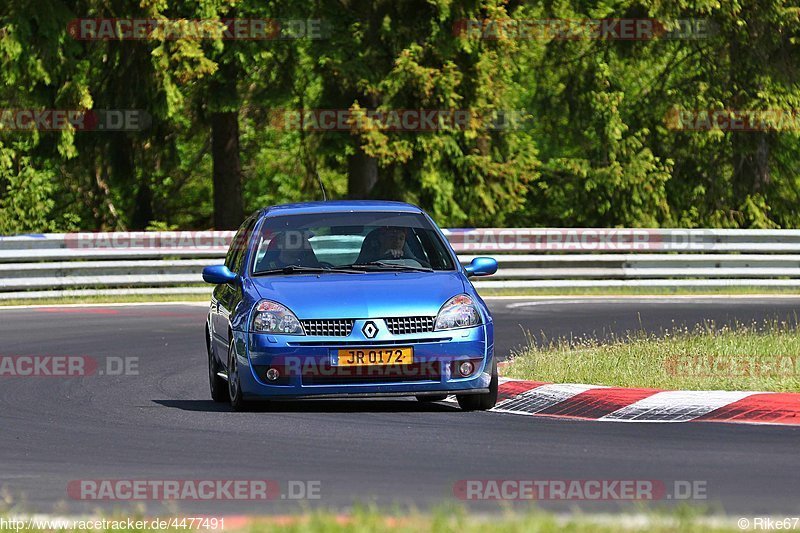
{"type": "Point", "coordinates": [387, 242]}
{"type": "Point", "coordinates": [391, 240]}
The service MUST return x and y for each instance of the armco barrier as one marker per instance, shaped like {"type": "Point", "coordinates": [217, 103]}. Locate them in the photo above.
{"type": "Point", "coordinates": [36, 266]}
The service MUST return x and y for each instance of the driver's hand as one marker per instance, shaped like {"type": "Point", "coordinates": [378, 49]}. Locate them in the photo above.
{"type": "Point", "coordinates": [394, 253]}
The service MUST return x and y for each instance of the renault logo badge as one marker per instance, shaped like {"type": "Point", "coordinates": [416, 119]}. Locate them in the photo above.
{"type": "Point", "coordinates": [370, 330]}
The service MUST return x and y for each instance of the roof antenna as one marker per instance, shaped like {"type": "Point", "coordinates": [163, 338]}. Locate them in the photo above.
{"type": "Point", "coordinates": [321, 186]}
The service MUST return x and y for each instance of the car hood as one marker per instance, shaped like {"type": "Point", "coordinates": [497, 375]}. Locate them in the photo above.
{"type": "Point", "coordinates": [370, 295]}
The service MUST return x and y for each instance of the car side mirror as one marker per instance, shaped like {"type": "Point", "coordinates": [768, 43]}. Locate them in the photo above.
{"type": "Point", "coordinates": [481, 266]}
{"type": "Point", "coordinates": [218, 275]}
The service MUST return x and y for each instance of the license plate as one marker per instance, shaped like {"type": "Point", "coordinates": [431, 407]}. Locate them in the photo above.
{"type": "Point", "coordinates": [374, 356]}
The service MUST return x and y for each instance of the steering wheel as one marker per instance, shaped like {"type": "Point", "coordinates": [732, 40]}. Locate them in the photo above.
{"type": "Point", "coordinates": [387, 254]}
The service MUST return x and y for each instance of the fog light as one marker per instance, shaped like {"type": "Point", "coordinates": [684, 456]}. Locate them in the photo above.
{"type": "Point", "coordinates": [273, 374]}
{"type": "Point", "coordinates": [466, 368]}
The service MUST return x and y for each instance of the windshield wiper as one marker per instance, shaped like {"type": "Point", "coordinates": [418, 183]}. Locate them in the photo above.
{"type": "Point", "coordinates": [296, 269]}
{"type": "Point", "coordinates": [390, 266]}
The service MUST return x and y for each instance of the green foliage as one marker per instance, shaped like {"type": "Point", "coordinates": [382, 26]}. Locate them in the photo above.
{"type": "Point", "coordinates": [25, 195]}
{"type": "Point", "coordinates": [596, 145]}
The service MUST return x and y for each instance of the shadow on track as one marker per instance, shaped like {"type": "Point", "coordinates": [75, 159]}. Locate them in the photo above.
{"type": "Point", "coordinates": [316, 406]}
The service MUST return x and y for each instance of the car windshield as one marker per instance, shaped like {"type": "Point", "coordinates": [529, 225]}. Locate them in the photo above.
{"type": "Point", "coordinates": [349, 242]}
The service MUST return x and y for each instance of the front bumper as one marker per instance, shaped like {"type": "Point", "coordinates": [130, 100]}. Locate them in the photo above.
{"type": "Point", "coordinates": [306, 369]}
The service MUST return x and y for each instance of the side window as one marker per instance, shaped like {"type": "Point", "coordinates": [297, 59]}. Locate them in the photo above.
{"type": "Point", "coordinates": [245, 241]}
{"type": "Point", "coordinates": [231, 257]}
{"type": "Point", "coordinates": [238, 249]}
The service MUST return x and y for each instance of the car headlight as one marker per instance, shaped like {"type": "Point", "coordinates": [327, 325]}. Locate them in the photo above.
{"type": "Point", "coordinates": [272, 317]}
{"type": "Point", "coordinates": [458, 312]}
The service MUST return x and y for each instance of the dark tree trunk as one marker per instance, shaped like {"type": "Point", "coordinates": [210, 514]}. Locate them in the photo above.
{"type": "Point", "coordinates": [227, 166]}
{"type": "Point", "coordinates": [228, 202]}
{"type": "Point", "coordinates": [750, 163]}
{"type": "Point", "coordinates": [143, 210]}
{"type": "Point", "coordinates": [751, 150]}
{"type": "Point", "coordinates": [362, 174]}
{"type": "Point", "coordinates": [362, 169]}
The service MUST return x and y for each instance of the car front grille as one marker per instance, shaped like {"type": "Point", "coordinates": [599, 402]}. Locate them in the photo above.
{"type": "Point", "coordinates": [342, 327]}
{"type": "Point", "coordinates": [410, 324]}
{"type": "Point", "coordinates": [328, 327]}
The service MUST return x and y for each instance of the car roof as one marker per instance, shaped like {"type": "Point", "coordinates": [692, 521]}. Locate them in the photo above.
{"type": "Point", "coordinates": [340, 206]}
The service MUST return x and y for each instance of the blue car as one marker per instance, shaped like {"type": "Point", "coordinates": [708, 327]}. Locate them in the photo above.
{"type": "Point", "coordinates": [348, 299]}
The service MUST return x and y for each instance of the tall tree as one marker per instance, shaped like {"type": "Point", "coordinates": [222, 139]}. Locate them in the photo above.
{"type": "Point", "coordinates": [228, 199]}
{"type": "Point", "coordinates": [390, 56]}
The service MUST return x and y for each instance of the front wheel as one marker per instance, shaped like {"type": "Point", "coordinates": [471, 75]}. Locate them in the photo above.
{"type": "Point", "coordinates": [484, 401]}
{"type": "Point", "coordinates": [234, 383]}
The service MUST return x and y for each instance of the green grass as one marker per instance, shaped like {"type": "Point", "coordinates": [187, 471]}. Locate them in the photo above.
{"type": "Point", "coordinates": [110, 299]}
{"type": "Point", "coordinates": [642, 291]}
{"type": "Point", "coordinates": [371, 521]}
{"type": "Point", "coordinates": [456, 520]}
{"type": "Point", "coordinates": [763, 357]}
{"type": "Point", "coordinates": [630, 291]}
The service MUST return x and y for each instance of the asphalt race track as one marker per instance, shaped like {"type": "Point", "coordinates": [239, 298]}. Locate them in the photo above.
{"type": "Point", "coordinates": [161, 423]}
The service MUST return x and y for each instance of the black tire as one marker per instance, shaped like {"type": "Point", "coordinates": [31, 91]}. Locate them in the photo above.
{"type": "Point", "coordinates": [481, 402]}
{"type": "Point", "coordinates": [430, 399]}
{"type": "Point", "coordinates": [219, 387]}
{"type": "Point", "coordinates": [237, 400]}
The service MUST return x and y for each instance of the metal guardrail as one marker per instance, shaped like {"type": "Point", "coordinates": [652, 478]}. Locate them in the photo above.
{"type": "Point", "coordinates": [37, 266]}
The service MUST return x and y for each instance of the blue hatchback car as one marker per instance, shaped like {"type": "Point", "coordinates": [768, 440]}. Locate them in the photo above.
{"type": "Point", "coordinates": [348, 299]}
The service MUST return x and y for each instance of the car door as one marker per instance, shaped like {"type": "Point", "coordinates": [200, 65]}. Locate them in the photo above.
{"type": "Point", "coordinates": [227, 296]}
